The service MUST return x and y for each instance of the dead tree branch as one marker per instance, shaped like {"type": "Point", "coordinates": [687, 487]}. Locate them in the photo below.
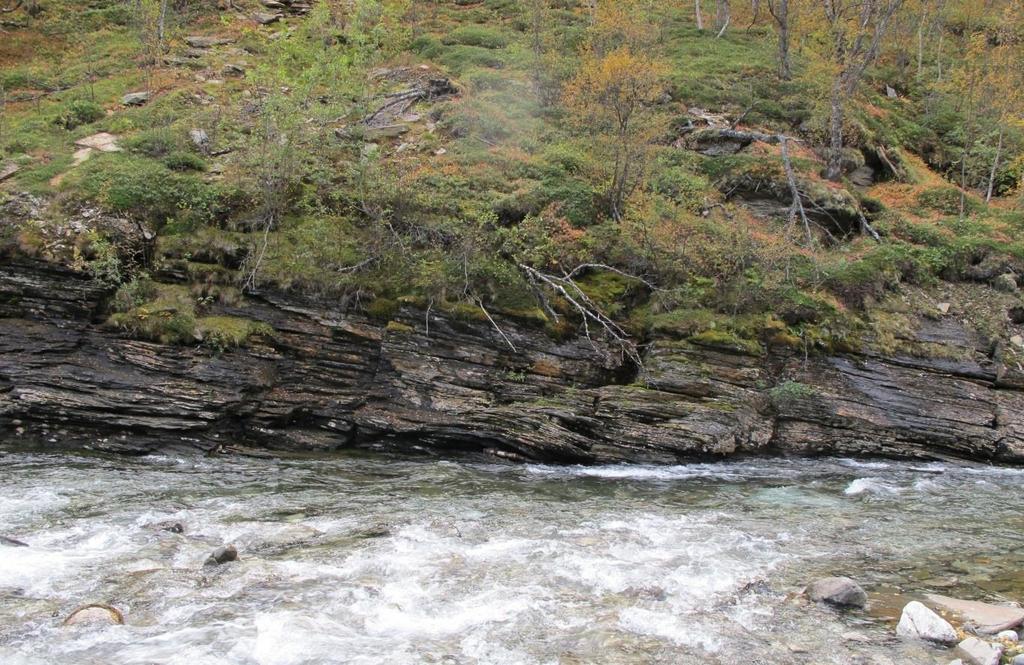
{"type": "Point", "coordinates": [797, 206]}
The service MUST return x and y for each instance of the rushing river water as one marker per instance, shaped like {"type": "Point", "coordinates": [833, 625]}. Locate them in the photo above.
{"type": "Point", "coordinates": [361, 559]}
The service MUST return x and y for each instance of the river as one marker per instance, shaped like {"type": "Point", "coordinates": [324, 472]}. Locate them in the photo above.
{"type": "Point", "coordinates": [375, 559]}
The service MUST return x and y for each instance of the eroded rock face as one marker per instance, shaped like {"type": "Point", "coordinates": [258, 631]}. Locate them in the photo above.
{"type": "Point", "coordinates": [328, 379]}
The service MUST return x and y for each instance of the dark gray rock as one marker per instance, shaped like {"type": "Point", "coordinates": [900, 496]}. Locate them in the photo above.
{"type": "Point", "coordinates": [838, 592]}
{"type": "Point", "coordinates": [222, 555]}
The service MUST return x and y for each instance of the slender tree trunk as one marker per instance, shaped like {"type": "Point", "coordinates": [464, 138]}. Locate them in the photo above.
{"type": "Point", "coordinates": [995, 167]}
{"type": "Point", "coordinates": [699, 14]}
{"type": "Point", "coordinates": [920, 45]}
{"type": "Point", "coordinates": [722, 16]}
{"type": "Point", "coordinates": [834, 170]}
{"type": "Point", "coordinates": [161, 24]}
{"type": "Point", "coordinates": [780, 12]}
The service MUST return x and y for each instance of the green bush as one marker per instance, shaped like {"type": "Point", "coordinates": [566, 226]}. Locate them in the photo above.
{"type": "Point", "coordinates": [476, 35]}
{"type": "Point", "coordinates": [79, 112]}
{"type": "Point", "coordinates": [145, 189]}
{"type": "Point", "coordinates": [184, 161]}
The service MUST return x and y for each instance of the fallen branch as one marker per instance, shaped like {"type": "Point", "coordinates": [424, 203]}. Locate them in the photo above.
{"type": "Point", "coordinates": [865, 227]}
{"type": "Point", "coordinates": [567, 288]}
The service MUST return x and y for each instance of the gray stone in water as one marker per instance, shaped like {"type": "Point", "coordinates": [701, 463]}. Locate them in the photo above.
{"type": "Point", "coordinates": [1008, 636]}
{"type": "Point", "coordinates": [1018, 660]}
{"type": "Point", "coordinates": [95, 614]}
{"type": "Point", "coordinates": [222, 555]}
{"type": "Point", "coordinates": [979, 652]}
{"type": "Point", "coordinates": [136, 98]}
{"type": "Point", "coordinates": [986, 618]}
{"type": "Point", "coordinates": [11, 542]}
{"type": "Point", "coordinates": [837, 591]}
{"type": "Point", "coordinates": [919, 622]}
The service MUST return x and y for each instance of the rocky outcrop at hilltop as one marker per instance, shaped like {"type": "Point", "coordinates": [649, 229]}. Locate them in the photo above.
{"type": "Point", "coordinates": [328, 379]}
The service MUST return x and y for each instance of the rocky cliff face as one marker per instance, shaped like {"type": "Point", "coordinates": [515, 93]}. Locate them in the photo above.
{"type": "Point", "coordinates": [326, 380]}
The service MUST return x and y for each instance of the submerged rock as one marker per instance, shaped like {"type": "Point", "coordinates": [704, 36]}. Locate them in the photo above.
{"type": "Point", "coordinates": [222, 555]}
{"type": "Point", "coordinates": [919, 622]}
{"type": "Point", "coordinates": [95, 614]}
{"type": "Point", "coordinates": [837, 591]}
{"type": "Point", "coordinates": [979, 652]}
{"type": "Point", "coordinates": [983, 617]}
{"type": "Point", "coordinates": [11, 542]}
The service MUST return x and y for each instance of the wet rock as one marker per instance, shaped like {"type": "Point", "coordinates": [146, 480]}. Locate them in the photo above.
{"type": "Point", "coordinates": [96, 614]}
{"type": "Point", "coordinates": [919, 622]}
{"type": "Point", "coordinates": [983, 617]}
{"type": "Point", "coordinates": [837, 591]}
{"type": "Point", "coordinates": [11, 542]}
{"type": "Point", "coordinates": [1008, 636]}
{"type": "Point", "coordinates": [979, 652]}
{"type": "Point", "coordinates": [170, 527]}
{"type": "Point", "coordinates": [222, 555]}
{"type": "Point", "coordinates": [1007, 283]}
{"type": "Point", "coordinates": [136, 98]}
{"type": "Point", "coordinates": [1018, 660]}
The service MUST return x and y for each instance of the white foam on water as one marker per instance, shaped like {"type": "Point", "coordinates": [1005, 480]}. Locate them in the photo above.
{"type": "Point", "coordinates": [870, 486]}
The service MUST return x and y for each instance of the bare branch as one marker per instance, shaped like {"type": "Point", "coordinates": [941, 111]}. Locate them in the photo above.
{"type": "Point", "coordinates": [480, 304]}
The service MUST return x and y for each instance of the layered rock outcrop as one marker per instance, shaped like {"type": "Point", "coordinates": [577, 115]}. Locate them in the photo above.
{"type": "Point", "coordinates": [327, 379]}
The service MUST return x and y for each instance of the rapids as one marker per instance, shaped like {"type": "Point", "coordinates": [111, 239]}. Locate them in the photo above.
{"type": "Point", "coordinates": [376, 559]}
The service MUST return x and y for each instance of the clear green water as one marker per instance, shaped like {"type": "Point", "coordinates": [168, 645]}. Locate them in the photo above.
{"type": "Point", "coordinates": [382, 560]}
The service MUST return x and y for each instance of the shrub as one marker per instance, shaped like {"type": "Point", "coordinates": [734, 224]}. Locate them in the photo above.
{"type": "Point", "coordinates": [184, 161]}
{"type": "Point", "coordinates": [79, 112]}
{"type": "Point", "coordinates": [476, 35]}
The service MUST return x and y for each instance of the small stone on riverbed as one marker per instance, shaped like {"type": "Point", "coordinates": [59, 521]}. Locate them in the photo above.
{"type": "Point", "coordinates": [979, 652]}
{"type": "Point", "coordinates": [920, 622]}
{"type": "Point", "coordinates": [222, 555]}
{"type": "Point", "coordinates": [1008, 636]}
{"type": "Point", "coordinates": [837, 591]}
{"type": "Point", "coordinates": [95, 614]}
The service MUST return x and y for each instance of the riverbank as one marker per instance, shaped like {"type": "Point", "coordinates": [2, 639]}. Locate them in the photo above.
{"type": "Point", "coordinates": [324, 379]}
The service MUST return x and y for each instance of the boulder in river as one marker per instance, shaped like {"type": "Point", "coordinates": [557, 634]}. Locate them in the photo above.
{"type": "Point", "coordinates": [920, 622]}
{"type": "Point", "coordinates": [985, 618]}
{"type": "Point", "coordinates": [11, 542]}
{"type": "Point", "coordinates": [95, 614]}
{"type": "Point", "coordinates": [837, 591]}
{"type": "Point", "coordinates": [979, 652]}
{"type": "Point", "coordinates": [222, 555]}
